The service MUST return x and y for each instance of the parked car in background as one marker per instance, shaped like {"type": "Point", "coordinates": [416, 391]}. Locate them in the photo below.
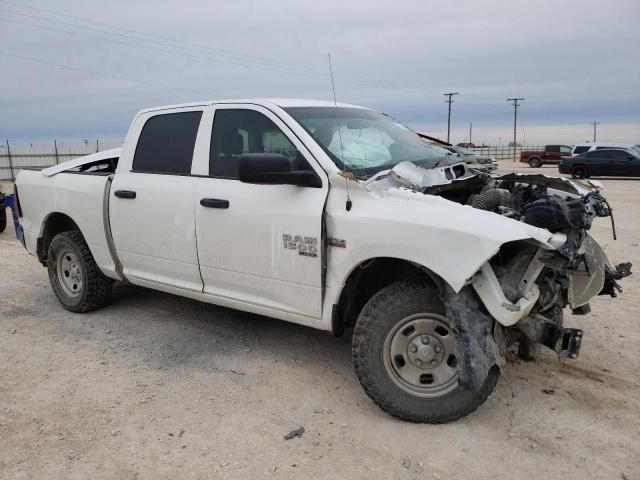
{"type": "Point", "coordinates": [551, 154]}
{"type": "Point", "coordinates": [588, 147]}
{"type": "Point", "coordinates": [615, 162]}
{"type": "Point", "coordinates": [466, 145]}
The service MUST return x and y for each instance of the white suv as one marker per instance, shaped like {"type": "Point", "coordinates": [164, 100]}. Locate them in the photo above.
{"type": "Point", "coordinates": [587, 147]}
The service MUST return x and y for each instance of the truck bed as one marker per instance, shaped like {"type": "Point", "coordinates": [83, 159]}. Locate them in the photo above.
{"type": "Point", "coordinates": [60, 197]}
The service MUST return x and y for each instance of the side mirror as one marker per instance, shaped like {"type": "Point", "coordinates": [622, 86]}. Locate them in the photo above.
{"type": "Point", "coordinates": [274, 169]}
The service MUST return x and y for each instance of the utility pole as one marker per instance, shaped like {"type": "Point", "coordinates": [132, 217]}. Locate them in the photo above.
{"type": "Point", "coordinates": [470, 130]}
{"type": "Point", "coordinates": [594, 130]}
{"type": "Point", "coordinates": [515, 122]}
{"type": "Point", "coordinates": [449, 101]}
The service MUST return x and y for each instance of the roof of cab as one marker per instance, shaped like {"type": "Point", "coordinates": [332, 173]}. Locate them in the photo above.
{"type": "Point", "coordinates": [265, 102]}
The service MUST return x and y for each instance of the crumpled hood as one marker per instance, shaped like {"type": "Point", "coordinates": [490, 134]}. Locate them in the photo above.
{"type": "Point", "coordinates": [473, 221]}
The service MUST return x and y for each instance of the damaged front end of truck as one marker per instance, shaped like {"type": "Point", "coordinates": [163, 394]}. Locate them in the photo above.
{"type": "Point", "coordinates": [527, 285]}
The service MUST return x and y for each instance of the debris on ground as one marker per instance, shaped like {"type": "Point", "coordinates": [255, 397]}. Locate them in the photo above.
{"type": "Point", "coordinates": [406, 463]}
{"type": "Point", "coordinates": [294, 433]}
{"type": "Point", "coordinates": [593, 377]}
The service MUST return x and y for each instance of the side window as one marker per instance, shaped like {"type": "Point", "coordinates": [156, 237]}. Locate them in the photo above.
{"type": "Point", "coordinates": [565, 150]}
{"type": "Point", "coordinates": [553, 148]}
{"type": "Point", "coordinates": [239, 131]}
{"type": "Point", "coordinates": [166, 143]}
{"type": "Point", "coordinates": [579, 150]}
{"type": "Point", "coordinates": [605, 154]}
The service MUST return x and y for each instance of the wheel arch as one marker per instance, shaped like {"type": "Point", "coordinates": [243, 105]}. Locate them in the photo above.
{"type": "Point", "coordinates": [367, 278]}
{"type": "Point", "coordinates": [53, 224]}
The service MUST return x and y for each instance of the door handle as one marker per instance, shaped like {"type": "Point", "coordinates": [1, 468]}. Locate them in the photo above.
{"type": "Point", "coordinates": [125, 194]}
{"type": "Point", "coordinates": [214, 203]}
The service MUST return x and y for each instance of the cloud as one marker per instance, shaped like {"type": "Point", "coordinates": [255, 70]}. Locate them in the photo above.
{"type": "Point", "coordinates": [574, 61]}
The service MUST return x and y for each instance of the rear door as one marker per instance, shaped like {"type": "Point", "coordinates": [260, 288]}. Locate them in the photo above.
{"type": "Point", "coordinates": [152, 204]}
{"type": "Point", "coordinates": [260, 245]}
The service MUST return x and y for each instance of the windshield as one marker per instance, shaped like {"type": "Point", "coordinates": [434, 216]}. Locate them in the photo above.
{"type": "Point", "coordinates": [364, 141]}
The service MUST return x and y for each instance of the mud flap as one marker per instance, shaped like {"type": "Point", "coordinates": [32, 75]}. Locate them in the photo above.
{"type": "Point", "coordinates": [477, 350]}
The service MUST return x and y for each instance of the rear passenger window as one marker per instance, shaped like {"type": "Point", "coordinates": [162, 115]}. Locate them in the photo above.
{"type": "Point", "coordinates": [239, 131]}
{"type": "Point", "coordinates": [579, 150]}
{"type": "Point", "coordinates": [166, 143]}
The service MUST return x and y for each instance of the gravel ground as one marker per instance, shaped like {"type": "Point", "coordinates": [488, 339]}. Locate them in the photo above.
{"type": "Point", "coordinates": [156, 386]}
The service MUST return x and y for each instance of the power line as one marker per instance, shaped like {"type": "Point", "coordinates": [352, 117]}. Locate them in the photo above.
{"type": "Point", "coordinates": [102, 74]}
{"type": "Point", "coordinates": [220, 55]}
{"type": "Point", "coordinates": [235, 58]}
{"type": "Point", "coordinates": [449, 101]}
{"type": "Point", "coordinates": [515, 121]}
{"type": "Point", "coordinates": [147, 34]}
{"type": "Point", "coordinates": [199, 55]}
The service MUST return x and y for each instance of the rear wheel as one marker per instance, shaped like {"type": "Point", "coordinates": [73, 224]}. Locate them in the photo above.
{"type": "Point", "coordinates": [535, 162]}
{"type": "Point", "coordinates": [579, 171]}
{"type": "Point", "coordinates": [75, 278]}
{"type": "Point", "coordinates": [405, 357]}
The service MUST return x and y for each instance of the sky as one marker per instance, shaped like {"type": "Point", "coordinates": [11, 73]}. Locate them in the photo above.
{"type": "Point", "coordinates": [72, 69]}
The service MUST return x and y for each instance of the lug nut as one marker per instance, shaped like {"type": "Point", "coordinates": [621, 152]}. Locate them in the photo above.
{"type": "Point", "coordinates": [425, 339]}
{"type": "Point", "coordinates": [438, 349]}
{"type": "Point", "coordinates": [413, 348]}
{"type": "Point", "coordinates": [419, 363]}
{"type": "Point", "coordinates": [433, 362]}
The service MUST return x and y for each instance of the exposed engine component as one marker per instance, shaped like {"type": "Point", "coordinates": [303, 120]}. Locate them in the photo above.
{"type": "Point", "coordinates": [491, 199]}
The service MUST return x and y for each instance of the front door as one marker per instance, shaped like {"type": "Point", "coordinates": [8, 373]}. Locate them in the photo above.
{"type": "Point", "coordinates": [260, 245]}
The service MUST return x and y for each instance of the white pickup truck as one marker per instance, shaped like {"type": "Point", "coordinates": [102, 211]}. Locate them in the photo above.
{"type": "Point", "coordinates": [336, 217]}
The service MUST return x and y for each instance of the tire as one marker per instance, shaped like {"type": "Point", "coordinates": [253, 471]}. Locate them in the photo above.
{"type": "Point", "coordinates": [3, 217]}
{"type": "Point", "coordinates": [531, 351]}
{"type": "Point", "coordinates": [391, 313]}
{"type": "Point", "coordinates": [579, 171]}
{"type": "Point", "coordinates": [75, 278]}
{"type": "Point", "coordinates": [535, 162]}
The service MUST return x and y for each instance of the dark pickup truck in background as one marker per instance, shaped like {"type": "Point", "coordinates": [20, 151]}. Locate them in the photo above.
{"type": "Point", "coordinates": [551, 154]}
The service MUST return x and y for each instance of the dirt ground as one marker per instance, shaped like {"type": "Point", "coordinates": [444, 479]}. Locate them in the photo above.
{"type": "Point", "coordinates": [156, 386]}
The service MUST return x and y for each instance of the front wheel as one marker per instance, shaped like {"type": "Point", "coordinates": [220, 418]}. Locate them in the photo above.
{"type": "Point", "coordinates": [405, 357]}
{"type": "Point", "coordinates": [75, 278]}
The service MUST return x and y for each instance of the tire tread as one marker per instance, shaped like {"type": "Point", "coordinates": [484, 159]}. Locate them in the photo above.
{"type": "Point", "coordinates": [98, 286]}
{"type": "Point", "coordinates": [377, 307]}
